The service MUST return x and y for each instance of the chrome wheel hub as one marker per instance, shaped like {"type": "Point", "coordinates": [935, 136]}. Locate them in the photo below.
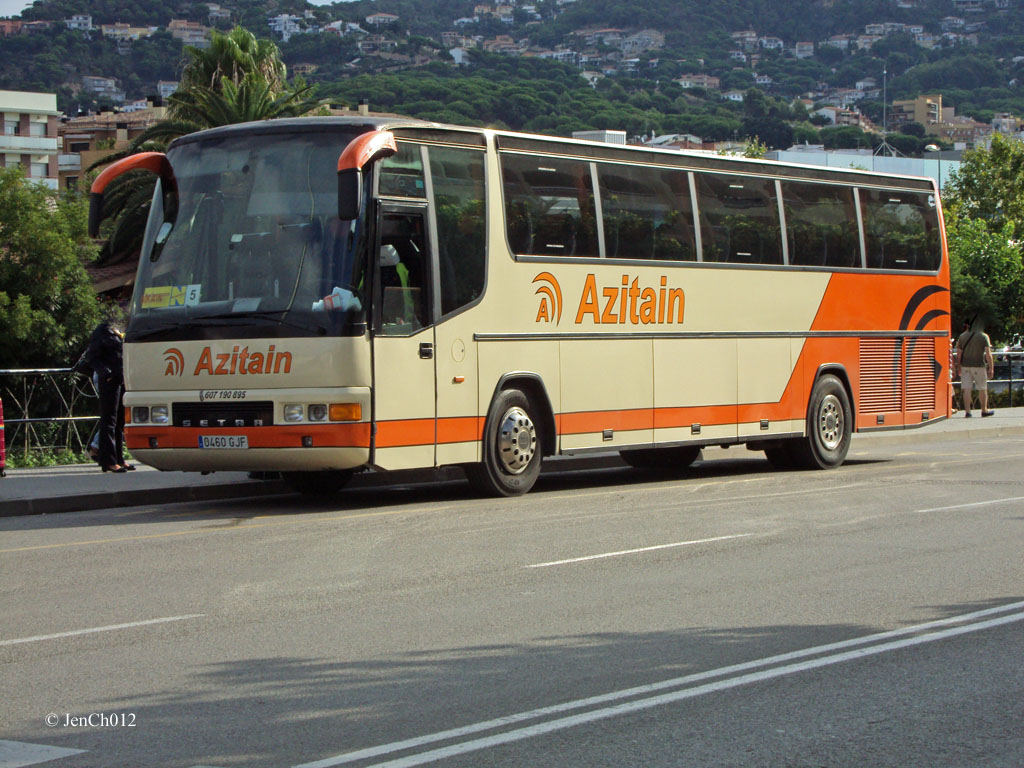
{"type": "Point", "coordinates": [831, 427]}
{"type": "Point", "coordinates": [517, 441]}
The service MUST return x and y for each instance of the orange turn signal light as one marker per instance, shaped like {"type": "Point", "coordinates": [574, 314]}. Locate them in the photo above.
{"type": "Point", "coordinates": [345, 411]}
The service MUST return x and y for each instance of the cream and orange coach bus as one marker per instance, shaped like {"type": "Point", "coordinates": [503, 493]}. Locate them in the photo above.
{"type": "Point", "coordinates": [317, 296]}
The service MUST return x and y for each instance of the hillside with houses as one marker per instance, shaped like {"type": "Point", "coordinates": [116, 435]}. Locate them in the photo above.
{"type": "Point", "coordinates": [948, 70]}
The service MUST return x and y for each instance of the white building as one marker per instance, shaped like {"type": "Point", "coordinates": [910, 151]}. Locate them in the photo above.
{"type": "Point", "coordinates": [166, 87]}
{"type": "Point", "coordinates": [608, 137]}
{"type": "Point", "coordinates": [285, 25]}
{"type": "Point", "coordinates": [80, 22]}
{"type": "Point", "coordinates": [29, 138]}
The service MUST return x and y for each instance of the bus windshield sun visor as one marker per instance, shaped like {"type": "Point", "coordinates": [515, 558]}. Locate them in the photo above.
{"type": "Point", "coordinates": [358, 154]}
{"type": "Point", "coordinates": [155, 162]}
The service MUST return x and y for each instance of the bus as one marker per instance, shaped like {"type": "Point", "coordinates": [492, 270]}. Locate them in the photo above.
{"type": "Point", "coordinates": [321, 296]}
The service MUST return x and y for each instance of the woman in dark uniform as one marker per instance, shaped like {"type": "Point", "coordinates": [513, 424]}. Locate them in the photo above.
{"type": "Point", "coordinates": [103, 357]}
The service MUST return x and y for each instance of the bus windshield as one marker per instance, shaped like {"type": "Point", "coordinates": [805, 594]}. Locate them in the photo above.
{"type": "Point", "coordinates": [251, 240]}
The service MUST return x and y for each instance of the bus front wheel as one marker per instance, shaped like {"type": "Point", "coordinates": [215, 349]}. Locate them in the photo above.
{"type": "Point", "coordinates": [829, 426]}
{"type": "Point", "coordinates": [512, 447]}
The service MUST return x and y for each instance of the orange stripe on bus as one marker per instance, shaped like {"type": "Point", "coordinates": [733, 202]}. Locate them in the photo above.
{"type": "Point", "coordinates": [705, 415]}
{"type": "Point", "coordinates": [405, 432]}
{"type": "Point", "coordinates": [281, 436]}
{"type": "Point", "coordinates": [466, 429]}
{"type": "Point", "coordinates": [597, 421]}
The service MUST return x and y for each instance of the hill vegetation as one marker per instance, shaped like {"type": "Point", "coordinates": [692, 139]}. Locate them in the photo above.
{"type": "Point", "coordinates": [978, 74]}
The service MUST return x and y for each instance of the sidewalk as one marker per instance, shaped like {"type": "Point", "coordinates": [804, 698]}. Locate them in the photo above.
{"type": "Point", "coordinates": [83, 487]}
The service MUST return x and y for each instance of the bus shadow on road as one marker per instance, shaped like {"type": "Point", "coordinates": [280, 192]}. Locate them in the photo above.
{"type": "Point", "coordinates": [445, 487]}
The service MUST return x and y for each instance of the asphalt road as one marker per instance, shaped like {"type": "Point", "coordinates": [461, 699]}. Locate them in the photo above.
{"type": "Point", "coordinates": [731, 616]}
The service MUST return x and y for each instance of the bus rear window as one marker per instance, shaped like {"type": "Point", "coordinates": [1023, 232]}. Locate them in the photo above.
{"type": "Point", "coordinates": [549, 206]}
{"type": "Point", "coordinates": [901, 230]}
{"type": "Point", "coordinates": [739, 219]}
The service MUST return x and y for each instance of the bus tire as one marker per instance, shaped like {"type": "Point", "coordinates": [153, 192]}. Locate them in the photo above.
{"type": "Point", "coordinates": [318, 484]}
{"type": "Point", "coordinates": [662, 459]}
{"type": "Point", "coordinates": [512, 447]}
{"type": "Point", "coordinates": [829, 426]}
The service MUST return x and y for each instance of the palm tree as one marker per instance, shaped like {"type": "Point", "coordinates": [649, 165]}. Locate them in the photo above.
{"type": "Point", "coordinates": [233, 56]}
{"type": "Point", "coordinates": [237, 79]}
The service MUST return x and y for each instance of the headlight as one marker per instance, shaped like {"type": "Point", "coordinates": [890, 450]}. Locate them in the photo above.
{"type": "Point", "coordinates": [140, 414]}
{"type": "Point", "coordinates": [293, 413]}
{"type": "Point", "coordinates": [159, 414]}
{"type": "Point", "coordinates": [318, 413]}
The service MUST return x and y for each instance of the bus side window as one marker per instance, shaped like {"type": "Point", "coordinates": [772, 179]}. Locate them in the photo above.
{"type": "Point", "coordinates": [549, 206]}
{"type": "Point", "coordinates": [739, 219]}
{"type": "Point", "coordinates": [401, 175]}
{"type": "Point", "coordinates": [457, 176]}
{"type": "Point", "coordinates": [821, 224]}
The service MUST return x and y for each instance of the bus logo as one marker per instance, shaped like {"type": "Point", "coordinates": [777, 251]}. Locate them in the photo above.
{"type": "Point", "coordinates": [550, 292]}
{"type": "Point", "coordinates": [175, 362]}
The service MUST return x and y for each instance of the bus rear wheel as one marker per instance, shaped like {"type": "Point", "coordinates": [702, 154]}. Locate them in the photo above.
{"type": "Point", "coordinates": [662, 459]}
{"type": "Point", "coordinates": [829, 426]}
{"type": "Point", "coordinates": [318, 484]}
{"type": "Point", "coordinates": [512, 447]}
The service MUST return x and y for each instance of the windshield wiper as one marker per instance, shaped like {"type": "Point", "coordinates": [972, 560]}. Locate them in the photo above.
{"type": "Point", "coordinates": [153, 330]}
{"type": "Point", "coordinates": [242, 318]}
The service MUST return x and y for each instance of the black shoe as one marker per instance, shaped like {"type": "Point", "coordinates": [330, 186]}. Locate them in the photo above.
{"type": "Point", "coordinates": [117, 468]}
{"type": "Point", "coordinates": [987, 413]}
{"type": "Point", "coordinates": [967, 415]}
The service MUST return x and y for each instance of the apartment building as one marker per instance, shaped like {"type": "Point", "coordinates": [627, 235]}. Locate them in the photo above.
{"type": "Point", "coordinates": [925, 109]}
{"type": "Point", "coordinates": [29, 138]}
{"type": "Point", "coordinates": [85, 140]}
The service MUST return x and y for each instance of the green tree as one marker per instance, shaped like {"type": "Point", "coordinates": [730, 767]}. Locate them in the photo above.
{"type": "Point", "coordinates": [989, 184]}
{"type": "Point", "coordinates": [984, 204]}
{"type": "Point", "coordinates": [47, 304]}
{"type": "Point", "coordinates": [986, 275]}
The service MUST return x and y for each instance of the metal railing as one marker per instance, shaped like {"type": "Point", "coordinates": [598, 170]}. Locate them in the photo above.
{"type": "Point", "coordinates": [47, 411]}
{"type": "Point", "coordinates": [1006, 387]}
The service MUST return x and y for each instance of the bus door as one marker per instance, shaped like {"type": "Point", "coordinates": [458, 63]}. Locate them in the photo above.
{"type": "Point", "coordinates": [404, 384]}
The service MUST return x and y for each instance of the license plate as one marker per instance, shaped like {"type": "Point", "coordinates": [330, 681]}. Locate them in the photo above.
{"type": "Point", "coordinates": [223, 441]}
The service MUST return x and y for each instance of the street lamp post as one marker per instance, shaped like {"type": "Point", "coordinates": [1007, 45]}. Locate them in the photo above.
{"type": "Point", "coordinates": [934, 150]}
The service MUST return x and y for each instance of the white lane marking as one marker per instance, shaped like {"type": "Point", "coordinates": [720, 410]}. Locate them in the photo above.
{"type": "Point", "coordinates": [973, 504]}
{"type": "Point", "coordinates": [641, 549]}
{"type": "Point", "coordinates": [15, 754]}
{"type": "Point", "coordinates": [91, 630]}
{"type": "Point", "coordinates": [688, 693]}
{"type": "Point", "coordinates": [653, 687]}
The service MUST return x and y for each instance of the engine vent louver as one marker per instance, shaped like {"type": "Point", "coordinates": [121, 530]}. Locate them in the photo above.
{"type": "Point", "coordinates": [897, 375]}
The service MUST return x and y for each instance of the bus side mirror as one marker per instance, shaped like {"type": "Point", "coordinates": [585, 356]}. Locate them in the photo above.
{"type": "Point", "coordinates": [350, 193]}
{"type": "Point", "coordinates": [155, 162]}
{"type": "Point", "coordinates": [359, 153]}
